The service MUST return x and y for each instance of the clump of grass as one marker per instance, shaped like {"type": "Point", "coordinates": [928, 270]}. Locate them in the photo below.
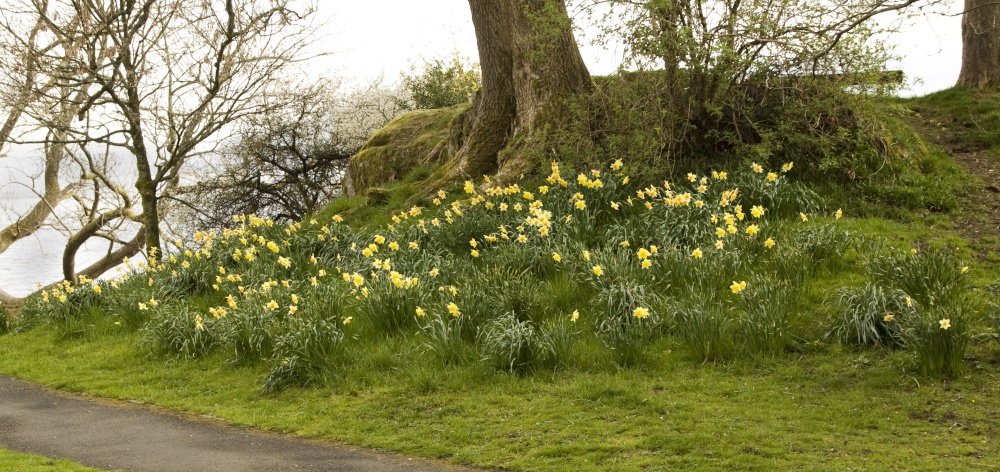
{"type": "Point", "coordinates": [509, 344]}
{"type": "Point", "coordinates": [929, 277]}
{"type": "Point", "coordinates": [249, 336]}
{"type": "Point", "coordinates": [389, 305]}
{"type": "Point", "coordinates": [306, 353]}
{"type": "Point", "coordinates": [707, 331]}
{"type": "Point", "coordinates": [558, 338]}
{"type": "Point", "coordinates": [180, 331]}
{"type": "Point", "coordinates": [871, 315]}
{"type": "Point", "coordinates": [939, 335]}
{"type": "Point", "coordinates": [443, 338]}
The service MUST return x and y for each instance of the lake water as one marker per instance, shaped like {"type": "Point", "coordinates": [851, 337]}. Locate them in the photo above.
{"type": "Point", "coordinates": [36, 259]}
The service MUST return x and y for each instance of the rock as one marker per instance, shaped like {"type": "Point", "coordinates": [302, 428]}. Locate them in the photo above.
{"type": "Point", "coordinates": [418, 138]}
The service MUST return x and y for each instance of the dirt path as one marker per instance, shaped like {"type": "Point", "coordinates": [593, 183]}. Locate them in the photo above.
{"type": "Point", "coordinates": [979, 221]}
{"type": "Point", "coordinates": [120, 436]}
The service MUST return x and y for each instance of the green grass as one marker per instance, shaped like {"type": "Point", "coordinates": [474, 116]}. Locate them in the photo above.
{"type": "Point", "coordinates": [12, 460]}
{"type": "Point", "coordinates": [830, 408]}
{"type": "Point", "coordinates": [969, 117]}
{"type": "Point", "coordinates": [311, 304]}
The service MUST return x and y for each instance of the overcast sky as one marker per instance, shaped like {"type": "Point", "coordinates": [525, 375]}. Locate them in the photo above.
{"type": "Point", "coordinates": [386, 36]}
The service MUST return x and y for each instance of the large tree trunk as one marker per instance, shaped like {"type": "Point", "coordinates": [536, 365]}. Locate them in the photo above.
{"type": "Point", "coordinates": [980, 44]}
{"type": "Point", "coordinates": [530, 63]}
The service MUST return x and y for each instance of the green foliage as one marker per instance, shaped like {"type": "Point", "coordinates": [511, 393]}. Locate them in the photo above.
{"type": "Point", "coordinates": [179, 331]}
{"type": "Point", "coordinates": [306, 353]}
{"type": "Point", "coordinates": [939, 334]}
{"type": "Point", "coordinates": [930, 276]}
{"type": "Point", "coordinates": [4, 320]}
{"type": "Point", "coordinates": [706, 331]}
{"type": "Point", "coordinates": [871, 315]}
{"type": "Point", "coordinates": [442, 83]}
{"type": "Point", "coordinates": [558, 338]}
{"type": "Point", "coordinates": [443, 338]}
{"type": "Point", "coordinates": [509, 344]}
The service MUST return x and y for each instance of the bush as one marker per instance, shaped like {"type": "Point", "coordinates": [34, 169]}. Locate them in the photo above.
{"type": "Point", "coordinates": [441, 84]}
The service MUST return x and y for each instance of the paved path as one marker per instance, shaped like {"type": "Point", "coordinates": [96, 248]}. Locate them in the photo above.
{"type": "Point", "coordinates": [132, 438]}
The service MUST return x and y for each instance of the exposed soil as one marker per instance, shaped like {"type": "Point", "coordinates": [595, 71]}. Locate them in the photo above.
{"type": "Point", "coordinates": [979, 220]}
{"type": "Point", "coordinates": [122, 436]}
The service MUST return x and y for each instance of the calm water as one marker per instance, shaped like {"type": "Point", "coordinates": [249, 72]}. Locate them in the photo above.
{"type": "Point", "coordinates": [37, 258]}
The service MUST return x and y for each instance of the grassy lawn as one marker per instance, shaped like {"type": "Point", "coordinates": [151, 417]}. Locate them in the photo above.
{"type": "Point", "coordinates": [828, 408]}
{"type": "Point", "coordinates": [11, 460]}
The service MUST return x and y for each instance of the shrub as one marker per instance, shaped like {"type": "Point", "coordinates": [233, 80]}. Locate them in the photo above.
{"type": "Point", "coordinates": [442, 84]}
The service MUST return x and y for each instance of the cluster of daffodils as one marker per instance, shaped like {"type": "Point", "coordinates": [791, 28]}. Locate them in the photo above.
{"type": "Point", "coordinates": [261, 266]}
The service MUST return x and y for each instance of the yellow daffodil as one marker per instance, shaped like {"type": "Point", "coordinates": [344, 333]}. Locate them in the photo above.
{"type": "Point", "coordinates": [641, 313]}
{"type": "Point", "coordinates": [598, 271]}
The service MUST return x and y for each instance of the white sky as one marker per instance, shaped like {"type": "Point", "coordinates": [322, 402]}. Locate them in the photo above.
{"type": "Point", "coordinates": [385, 36]}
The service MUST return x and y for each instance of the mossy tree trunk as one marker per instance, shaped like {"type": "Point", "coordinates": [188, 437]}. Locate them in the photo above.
{"type": "Point", "coordinates": [980, 44]}
{"type": "Point", "coordinates": [530, 62]}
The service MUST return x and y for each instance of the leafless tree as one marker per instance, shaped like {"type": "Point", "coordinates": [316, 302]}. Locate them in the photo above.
{"type": "Point", "coordinates": [126, 92]}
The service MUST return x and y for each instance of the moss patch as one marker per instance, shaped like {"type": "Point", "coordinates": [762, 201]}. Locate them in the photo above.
{"type": "Point", "coordinates": [418, 138]}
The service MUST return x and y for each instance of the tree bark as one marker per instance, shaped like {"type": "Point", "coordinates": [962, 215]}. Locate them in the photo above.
{"type": "Point", "coordinates": [980, 44]}
{"type": "Point", "coordinates": [530, 63]}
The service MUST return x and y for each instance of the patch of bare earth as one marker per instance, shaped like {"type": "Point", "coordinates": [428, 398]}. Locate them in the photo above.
{"type": "Point", "coordinates": [979, 220]}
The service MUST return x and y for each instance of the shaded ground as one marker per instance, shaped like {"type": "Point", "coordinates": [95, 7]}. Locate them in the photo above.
{"type": "Point", "coordinates": [120, 436]}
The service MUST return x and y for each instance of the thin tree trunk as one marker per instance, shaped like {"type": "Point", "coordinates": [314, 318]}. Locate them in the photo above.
{"type": "Point", "coordinates": [980, 44]}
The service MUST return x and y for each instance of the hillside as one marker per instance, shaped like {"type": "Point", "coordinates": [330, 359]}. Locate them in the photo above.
{"type": "Point", "coordinates": [739, 315]}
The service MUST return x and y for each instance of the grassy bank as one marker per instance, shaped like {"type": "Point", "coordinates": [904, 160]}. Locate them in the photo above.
{"type": "Point", "coordinates": [11, 460]}
{"type": "Point", "coordinates": [748, 318]}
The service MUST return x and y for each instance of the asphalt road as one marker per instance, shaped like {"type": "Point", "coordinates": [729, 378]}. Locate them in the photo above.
{"type": "Point", "coordinates": [121, 436]}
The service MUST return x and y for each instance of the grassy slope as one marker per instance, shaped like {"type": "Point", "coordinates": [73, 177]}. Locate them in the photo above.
{"type": "Point", "coordinates": [827, 406]}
